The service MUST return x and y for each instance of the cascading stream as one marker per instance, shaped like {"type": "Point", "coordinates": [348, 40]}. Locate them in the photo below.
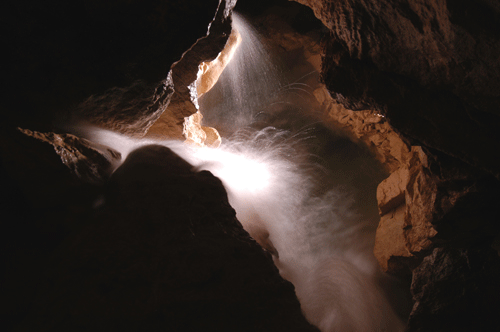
{"type": "Point", "coordinates": [320, 240]}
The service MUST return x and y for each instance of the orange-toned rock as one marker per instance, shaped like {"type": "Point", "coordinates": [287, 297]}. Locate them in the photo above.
{"type": "Point", "coordinates": [209, 72]}
{"type": "Point", "coordinates": [192, 130]}
{"type": "Point", "coordinates": [213, 139]}
{"type": "Point", "coordinates": [184, 72]}
{"type": "Point", "coordinates": [198, 135]}
{"type": "Point", "coordinates": [421, 194]}
{"type": "Point", "coordinates": [182, 119]}
{"type": "Point", "coordinates": [369, 127]}
{"type": "Point", "coordinates": [89, 161]}
{"type": "Point", "coordinates": [406, 201]}
{"type": "Point", "coordinates": [391, 191]}
{"type": "Point", "coordinates": [390, 243]}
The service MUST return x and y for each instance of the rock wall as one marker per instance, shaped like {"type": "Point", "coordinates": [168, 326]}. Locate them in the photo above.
{"type": "Point", "coordinates": [415, 80]}
{"type": "Point", "coordinates": [107, 63]}
{"type": "Point", "coordinates": [153, 245]}
{"type": "Point", "coordinates": [162, 251]}
{"type": "Point", "coordinates": [421, 64]}
{"type": "Point", "coordinates": [429, 70]}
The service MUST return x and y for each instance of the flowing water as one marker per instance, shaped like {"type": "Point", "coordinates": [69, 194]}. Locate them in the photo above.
{"type": "Point", "coordinates": [304, 193]}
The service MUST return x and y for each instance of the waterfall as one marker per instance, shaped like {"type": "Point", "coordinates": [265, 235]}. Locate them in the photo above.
{"type": "Point", "coordinates": [320, 236]}
{"type": "Point", "coordinates": [248, 84]}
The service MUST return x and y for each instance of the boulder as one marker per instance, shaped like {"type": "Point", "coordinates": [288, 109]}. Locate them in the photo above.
{"type": "Point", "coordinates": [164, 251]}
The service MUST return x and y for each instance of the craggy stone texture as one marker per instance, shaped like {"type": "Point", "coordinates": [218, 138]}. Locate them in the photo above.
{"type": "Point", "coordinates": [454, 199]}
{"type": "Point", "coordinates": [184, 72]}
{"type": "Point", "coordinates": [390, 247]}
{"type": "Point", "coordinates": [430, 66]}
{"type": "Point", "coordinates": [42, 202]}
{"type": "Point", "coordinates": [367, 127]}
{"type": "Point", "coordinates": [200, 135]}
{"type": "Point", "coordinates": [163, 252]}
{"type": "Point", "coordinates": [156, 246]}
{"type": "Point", "coordinates": [391, 191]}
{"type": "Point", "coordinates": [209, 72]}
{"type": "Point", "coordinates": [421, 199]}
{"type": "Point", "coordinates": [47, 167]}
{"type": "Point", "coordinates": [120, 53]}
{"type": "Point", "coordinates": [461, 293]}
{"type": "Point", "coordinates": [433, 201]}
{"type": "Point", "coordinates": [89, 161]}
{"type": "Point", "coordinates": [131, 110]}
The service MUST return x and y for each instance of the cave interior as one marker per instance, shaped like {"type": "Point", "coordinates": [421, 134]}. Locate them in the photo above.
{"type": "Point", "coordinates": [399, 99]}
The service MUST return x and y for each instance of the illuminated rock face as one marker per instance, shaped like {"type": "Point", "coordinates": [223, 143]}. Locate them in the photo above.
{"type": "Point", "coordinates": [427, 70]}
{"type": "Point", "coordinates": [421, 64]}
{"type": "Point", "coordinates": [431, 69]}
{"type": "Point", "coordinates": [167, 126]}
{"type": "Point", "coordinates": [89, 161]}
{"type": "Point", "coordinates": [107, 63]}
{"type": "Point", "coordinates": [185, 73]}
{"type": "Point", "coordinates": [209, 71]}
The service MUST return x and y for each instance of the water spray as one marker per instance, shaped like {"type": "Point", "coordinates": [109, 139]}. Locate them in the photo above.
{"type": "Point", "coordinates": [318, 241]}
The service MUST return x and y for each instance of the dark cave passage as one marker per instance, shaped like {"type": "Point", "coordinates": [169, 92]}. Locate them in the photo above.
{"type": "Point", "coordinates": [356, 158]}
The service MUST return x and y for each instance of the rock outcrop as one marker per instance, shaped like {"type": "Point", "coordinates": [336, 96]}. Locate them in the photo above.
{"type": "Point", "coordinates": [89, 161]}
{"type": "Point", "coordinates": [107, 61]}
{"type": "Point", "coordinates": [431, 67]}
{"type": "Point", "coordinates": [154, 246]}
{"type": "Point", "coordinates": [163, 252]}
{"type": "Point", "coordinates": [429, 70]}
{"type": "Point", "coordinates": [416, 81]}
{"type": "Point", "coordinates": [184, 101]}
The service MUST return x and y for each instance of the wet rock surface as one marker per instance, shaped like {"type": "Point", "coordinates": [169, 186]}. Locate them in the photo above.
{"type": "Point", "coordinates": [416, 81]}
{"type": "Point", "coordinates": [91, 162]}
{"type": "Point", "coordinates": [61, 54]}
{"type": "Point", "coordinates": [162, 250]}
{"type": "Point", "coordinates": [184, 73]}
{"type": "Point", "coordinates": [431, 69]}
{"type": "Point", "coordinates": [153, 247]}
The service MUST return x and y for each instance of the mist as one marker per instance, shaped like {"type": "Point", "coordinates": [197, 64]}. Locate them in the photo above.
{"type": "Point", "coordinates": [302, 190]}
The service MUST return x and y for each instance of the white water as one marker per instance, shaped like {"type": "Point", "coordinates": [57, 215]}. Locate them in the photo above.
{"type": "Point", "coordinates": [323, 245]}
{"type": "Point", "coordinates": [248, 84]}
{"type": "Point", "coordinates": [320, 242]}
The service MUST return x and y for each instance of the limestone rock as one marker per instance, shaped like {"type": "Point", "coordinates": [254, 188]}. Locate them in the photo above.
{"type": "Point", "coordinates": [184, 102]}
{"type": "Point", "coordinates": [131, 110]}
{"type": "Point", "coordinates": [42, 201]}
{"type": "Point", "coordinates": [164, 252]}
{"type": "Point", "coordinates": [431, 67]}
{"type": "Point", "coordinates": [60, 54]}
{"type": "Point", "coordinates": [368, 127]}
{"type": "Point", "coordinates": [390, 244]}
{"type": "Point", "coordinates": [431, 201]}
{"type": "Point", "coordinates": [200, 135]}
{"type": "Point", "coordinates": [420, 197]}
{"type": "Point", "coordinates": [213, 139]}
{"type": "Point", "coordinates": [391, 191]}
{"type": "Point", "coordinates": [192, 130]}
{"type": "Point", "coordinates": [209, 72]}
{"type": "Point", "coordinates": [87, 160]}
{"type": "Point", "coordinates": [456, 290]}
